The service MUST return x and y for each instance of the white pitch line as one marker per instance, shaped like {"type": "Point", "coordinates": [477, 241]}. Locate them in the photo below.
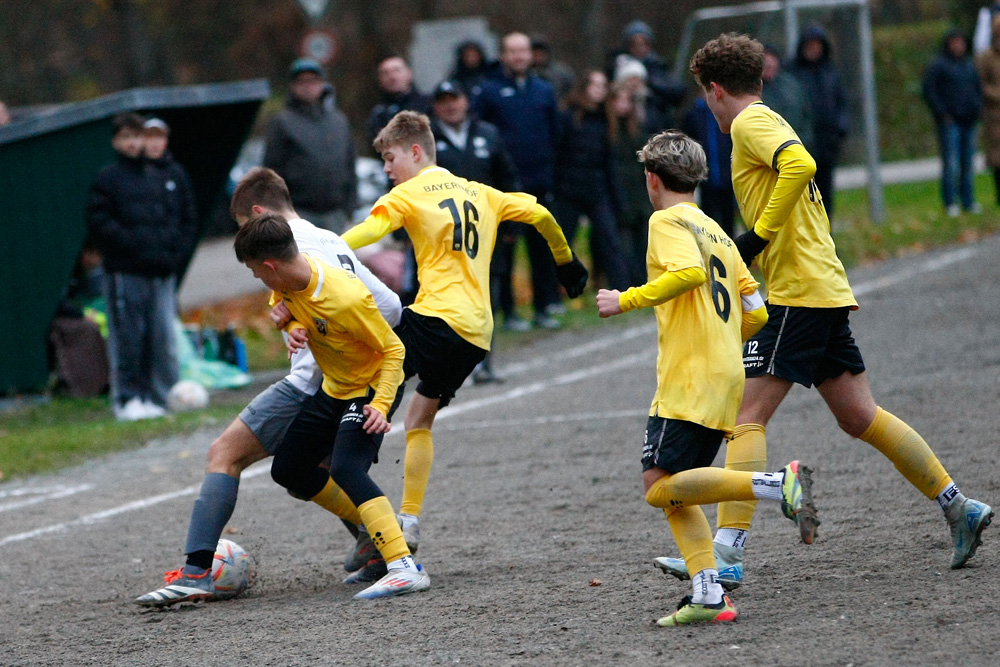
{"type": "Point", "coordinates": [548, 419]}
{"type": "Point", "coordinates": [50, 494]}
{"type": "Point", "coordinates": [121, 509]}
{"type": "Point", "coordinates": [933, 264]}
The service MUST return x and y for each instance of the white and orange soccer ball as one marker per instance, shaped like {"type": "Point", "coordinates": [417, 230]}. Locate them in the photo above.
{"type": "Point", "coordinates": [232, 570]}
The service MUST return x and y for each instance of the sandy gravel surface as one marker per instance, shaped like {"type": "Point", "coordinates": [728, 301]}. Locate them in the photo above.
{"type": "Point", "coordinates": [535, 499]}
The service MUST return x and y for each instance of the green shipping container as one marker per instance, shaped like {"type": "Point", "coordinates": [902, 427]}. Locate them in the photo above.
{"type": "Point", "coordinates": [47, 163]}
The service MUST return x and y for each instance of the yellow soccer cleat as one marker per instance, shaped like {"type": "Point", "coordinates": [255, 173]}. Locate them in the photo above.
{"type": "Point", "coordinates": [689, 612]}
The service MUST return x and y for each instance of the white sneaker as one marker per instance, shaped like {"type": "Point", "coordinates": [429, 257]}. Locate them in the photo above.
{"type": "Point", "coordinates": [953, 210]}
{"type": "Point", "coordinates": [132, 411]}
{"type": "Point", "coordinates": [153, 411]}
{"type": "Point", "coordinates": [397, 582]}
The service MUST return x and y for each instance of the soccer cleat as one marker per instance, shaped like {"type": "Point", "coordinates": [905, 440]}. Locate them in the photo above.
{"type": "Point", "coordinates": [796, 500]}
{"type": "Point", "coordinates": [410, 524]}
{"type": "Point", "coordinates": [728, 560]}
{"type": "Point", "coordinates": [397, 582]}
{"type": "Point", "coordinates": [374, 570]}
{"type": "Point", "coordinates": [967, 523]}
{"type": "Point", "coordinates": [180, 587]}
{"type": "Point", "coordinates": [688, 612]}
{"type": "Point", "coordinates": [363, 552]}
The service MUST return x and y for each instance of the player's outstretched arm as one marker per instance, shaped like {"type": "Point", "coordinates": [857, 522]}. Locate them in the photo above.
{"type": "Point", "coordinates": [668, 285]}
{"type": "Point", "coordinates": [570, 271]}
{"type": "Point", "coordinates": [370, 230]}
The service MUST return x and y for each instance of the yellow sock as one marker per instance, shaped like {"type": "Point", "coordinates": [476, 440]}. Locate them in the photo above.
{"type": "Point", "coordinates": [416, 470]}
{"type": "Point", "coordinates": [701, 486]}
{"type": "Point", "coordinates": [380, 520]}
{"type": "Point", "coordinates": [693, 537]}
{"type": "Point", "coordinates": [333, 499]}
{"type": "Point", "coordinates": [746, 451]}
{"type": "Point", "coordinates": [912, 456]}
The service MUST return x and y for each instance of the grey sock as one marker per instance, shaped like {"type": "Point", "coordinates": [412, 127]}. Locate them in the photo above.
{"type": "Point", "coordinates": [211, 512]}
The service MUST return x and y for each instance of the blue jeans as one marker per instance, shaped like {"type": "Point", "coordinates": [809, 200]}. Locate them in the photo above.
{"type": "Point", "coordinates": [958, 145]}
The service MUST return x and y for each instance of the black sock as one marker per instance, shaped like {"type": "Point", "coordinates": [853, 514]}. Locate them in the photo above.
{"type": "Point", "coordinates": [202, 559]}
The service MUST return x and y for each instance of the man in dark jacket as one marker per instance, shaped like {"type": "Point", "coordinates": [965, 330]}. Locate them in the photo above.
{"type": "Point", "coordinates": [472, 148]}
{"type": "Point", "coordinates": [309, 144]}
{"type": "Point", "coordinates": [523, 107]}
{"type": "Point", "coordinates": [953, 92]}
{"type": "Point", "coordinates": [395, 82]}
{"type": "Point", "coordinates": [144, 246]}
{"type": "Point", "coordinates": [815, 70]}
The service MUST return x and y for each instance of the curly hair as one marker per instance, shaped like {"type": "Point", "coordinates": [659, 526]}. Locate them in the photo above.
{"type": "Point", "coordinates": [677, 159]}
{"type": "Point", "coordinates": [733, 61]}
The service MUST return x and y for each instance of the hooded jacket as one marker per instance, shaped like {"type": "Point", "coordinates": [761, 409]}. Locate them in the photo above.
{"type": "Point", "coordinates": [311, 147]}
{"type": "Point", "coordinates": [951, 85]}
{"type": "Point", "coordinates": [823, 88]}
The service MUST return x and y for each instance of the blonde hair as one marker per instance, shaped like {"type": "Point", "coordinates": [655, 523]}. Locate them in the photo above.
{"type": "Point", "coordinates": [676, 159]}
{"type": "Point", "coordinates": [405, 129]}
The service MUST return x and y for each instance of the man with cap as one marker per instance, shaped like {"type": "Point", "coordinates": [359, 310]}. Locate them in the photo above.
{"type": "Point", "coordinates": [472, 148]}
{"type": "Point", "coordinates": [309, 144]}
{"type": "Point", "coordinates": [174, 183]}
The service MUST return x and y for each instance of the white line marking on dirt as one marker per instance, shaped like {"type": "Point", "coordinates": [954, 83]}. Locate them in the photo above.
{"type": "Point", "coordinates": [43, 495]}
{"type": "Point", "coordinates": [934, 264]}
{"type": "Point", "coordinates": [121, 509]}
{"type": "Point", "coordinates": [548, 419]}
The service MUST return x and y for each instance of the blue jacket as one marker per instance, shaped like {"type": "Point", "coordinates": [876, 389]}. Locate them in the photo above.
{"type": "Point", "coordinates": [526, 117]}
{"type": "Point", "coordinates": [825, 92]}
{"type": "Point", "coordinates": [483, 159]}
{"type": "Point", "coordinates": [951, 85]}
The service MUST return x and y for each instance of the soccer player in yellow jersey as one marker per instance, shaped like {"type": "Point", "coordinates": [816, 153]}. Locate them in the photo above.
{"type": "Point", "coordinates": [362, 363]}
{"type": "Point", "coordinates": [452, 223]}
{"type": "Point", "coordinates": [807, 339]}
{"type": "Point", "coordinates": [706, 304]}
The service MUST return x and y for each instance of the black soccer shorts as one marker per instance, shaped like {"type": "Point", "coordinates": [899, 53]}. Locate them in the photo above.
{"type": "Point", "coordinates": [441, 357]}
{"type": "Point", "coordinates": [803, 345]}
{"type": "Point", "coordinates": [674, 445]}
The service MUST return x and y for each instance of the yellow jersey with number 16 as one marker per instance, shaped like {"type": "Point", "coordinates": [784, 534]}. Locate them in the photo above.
{"type": "Point", "coordinates": [452, 223]}
{"type": "Point", "coordinates": [800, 263]}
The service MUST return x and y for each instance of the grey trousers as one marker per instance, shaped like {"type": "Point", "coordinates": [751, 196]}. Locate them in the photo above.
{"type": "Point", "coordinates": [142, 350]}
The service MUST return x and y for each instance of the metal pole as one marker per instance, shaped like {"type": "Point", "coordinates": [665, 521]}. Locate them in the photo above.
{"type": "Point", "coordinates": [791, 30]}
{"type": "Point", "coordinates": [876, 201]}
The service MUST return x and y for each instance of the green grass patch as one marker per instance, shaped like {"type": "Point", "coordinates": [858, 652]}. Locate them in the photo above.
{"type": "Point", "coordinates": [67, 431]}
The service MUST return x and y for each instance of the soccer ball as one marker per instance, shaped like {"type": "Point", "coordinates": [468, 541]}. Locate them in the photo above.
{"type": "Point", "coordinates": [231, 570]}
{"type": "Point", "coordinates": [187, 395]}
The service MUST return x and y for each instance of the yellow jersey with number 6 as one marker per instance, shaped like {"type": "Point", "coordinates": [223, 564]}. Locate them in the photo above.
{"type": "Point", "coordinates": [452, 223]}
{"type": "Point", "coordinates": [699, 365]}
{"type": "Point", "coordinates": [800, 263]}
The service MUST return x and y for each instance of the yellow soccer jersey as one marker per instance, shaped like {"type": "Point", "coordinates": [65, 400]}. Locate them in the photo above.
{"type": "Point", "coordinates": [800, 263]}
{"type": "Point", "coordinates": [452, 223]}
{"type": "Point", "coordinates": [351, 341]}
{"type": "Point", "coordinates": [699, 367]}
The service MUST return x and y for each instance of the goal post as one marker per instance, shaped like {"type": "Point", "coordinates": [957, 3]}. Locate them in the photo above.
{"type": "Point", "coordinates": [758, 19]}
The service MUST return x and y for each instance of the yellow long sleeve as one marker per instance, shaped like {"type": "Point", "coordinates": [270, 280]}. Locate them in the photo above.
{"type": "Point", "coordinates": [666, 286]}
{"type": "Point", "coordinates": [547, 226]}
{"type": "Point", "coordinates": [795, 169]}
{"type": "Point", "coordinates": [370, 230]}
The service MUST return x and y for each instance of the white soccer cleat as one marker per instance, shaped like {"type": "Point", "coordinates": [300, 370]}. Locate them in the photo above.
{"type": "Point", "coordinates": [397, 582]}
{"type": "Point", "coordinates": [180, 588]}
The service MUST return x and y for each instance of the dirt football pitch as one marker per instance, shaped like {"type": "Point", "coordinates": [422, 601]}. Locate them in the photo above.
{"type": "Point", "coordinates": [535, 533]}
